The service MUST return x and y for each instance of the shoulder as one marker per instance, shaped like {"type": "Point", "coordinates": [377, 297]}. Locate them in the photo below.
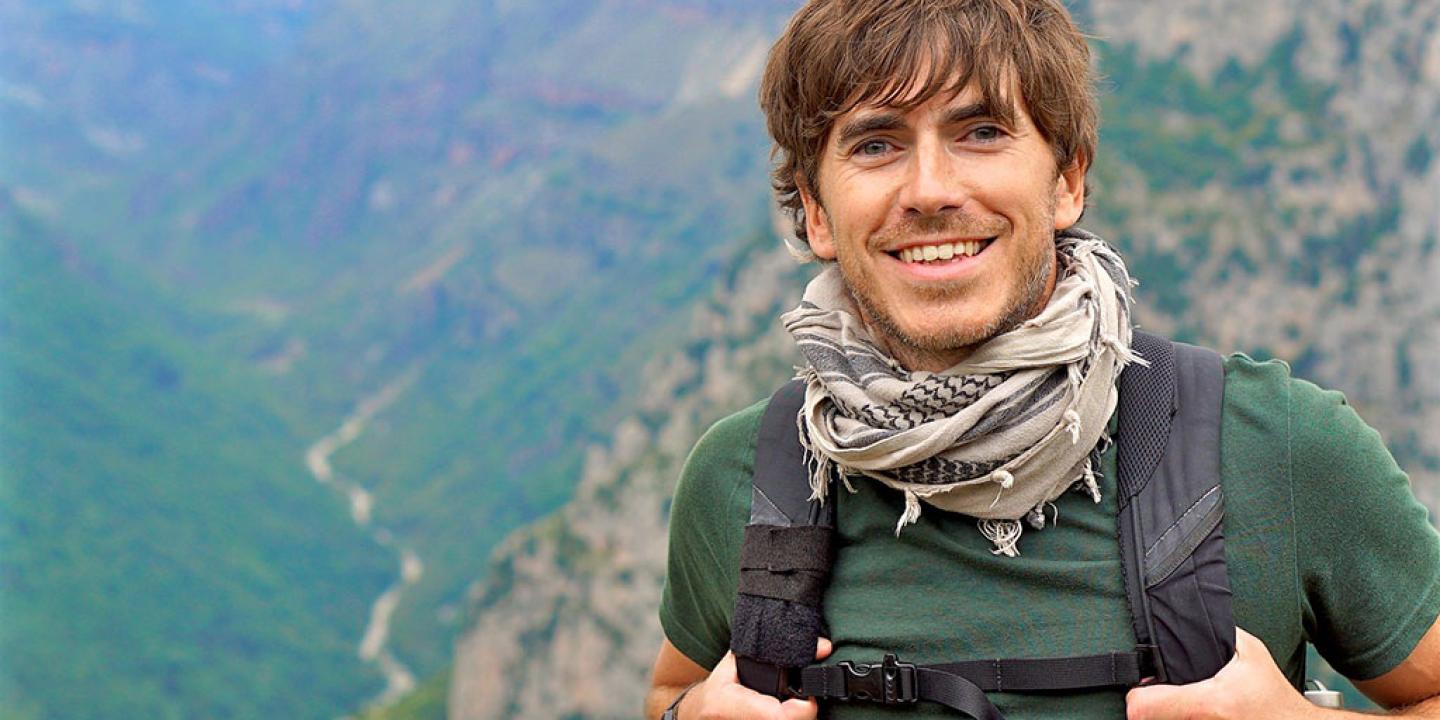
{"type": "Point", "coordinates": [717, 472]}
{"type": "Point", "coordinates": [1266, 403]}
{"type": "Point", "coordinates": [1366, 560]}
{"type": "Point", "coordinates": [707, 522]}
{"type": "Point", "coordinates": [736, 431]}
{"type": "Point", "coordinates": [728, 447]}
{"type": "Point", "coordinates": [1269, 380]}
{"type": "Point", "coordinates": [1313, 427]}
{"type": "Point", "coordinates": [1251, 381]}
{"type": "Point", "coordinates": [1289, 430]}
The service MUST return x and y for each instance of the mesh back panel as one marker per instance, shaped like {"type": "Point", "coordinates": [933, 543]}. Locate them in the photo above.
{"type": "Point", "coordinates": [1146, 403]}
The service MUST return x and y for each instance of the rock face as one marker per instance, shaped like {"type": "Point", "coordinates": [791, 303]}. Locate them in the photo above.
{"type": "Point", "coordinates": [565, 623]}
{"type": "Point", "coordinates": [1267, 169]}
{"type": "Point", "coordinates": [1319, 245]}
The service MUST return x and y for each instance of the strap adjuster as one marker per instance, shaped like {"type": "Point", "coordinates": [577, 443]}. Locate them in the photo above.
{"type": "Point", "coordinates": [1151, 669]}
{"type": "Point", "coordinates": [890, 682]}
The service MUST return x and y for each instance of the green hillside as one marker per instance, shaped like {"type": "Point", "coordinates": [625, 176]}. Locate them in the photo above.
{"type": "Point", "coordinates": [468, 197]}
{"type": "Point", "coordinates": [163, 549]}
{"type": "Point", "coordinates": [491, 222]}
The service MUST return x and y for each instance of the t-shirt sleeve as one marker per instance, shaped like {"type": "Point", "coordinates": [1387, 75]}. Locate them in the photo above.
{"type": "Point", "coordinates": [1367, 553]}
{"type": "Point", "coordinates": [707, 522]}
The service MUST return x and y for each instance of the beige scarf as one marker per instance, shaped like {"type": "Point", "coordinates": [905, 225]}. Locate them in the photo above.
{"type": "Point", "coordinates": [998, 436]}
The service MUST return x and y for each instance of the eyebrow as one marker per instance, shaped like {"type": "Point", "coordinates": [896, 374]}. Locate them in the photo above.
{"type": "Point", "coordinates": [868, 123]}
{"type": "Point", "coordinates": [893, 119]}
{"type": "Point", "coordinates": [955, 116]}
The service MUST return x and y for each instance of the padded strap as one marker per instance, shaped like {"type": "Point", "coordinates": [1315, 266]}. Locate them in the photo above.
{"type": "Point", "coordinates": [1171, 507]}
{"type": "Point", "coordinates": [785, 559]}
{"type": "Point", "coordinates": [787, 563]}
{"type": "Point", "coordinates": [781, 485]}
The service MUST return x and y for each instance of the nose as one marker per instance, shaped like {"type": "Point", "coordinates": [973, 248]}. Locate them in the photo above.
{"type": "Point", "coordinates": [933, 186]}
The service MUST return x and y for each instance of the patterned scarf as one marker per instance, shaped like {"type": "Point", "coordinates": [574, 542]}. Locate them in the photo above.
{"type": "Point", "coordinates": [998, 436]}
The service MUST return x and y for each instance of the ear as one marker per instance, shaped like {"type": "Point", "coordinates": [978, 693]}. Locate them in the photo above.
{"type": "Point", "coordinates": [817, 224]}
{"type": "Point", "coordinates": [1070, 193]}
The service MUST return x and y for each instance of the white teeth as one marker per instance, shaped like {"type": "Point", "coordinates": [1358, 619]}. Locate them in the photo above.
{"type": "Point", "coordinates": [946, 251]}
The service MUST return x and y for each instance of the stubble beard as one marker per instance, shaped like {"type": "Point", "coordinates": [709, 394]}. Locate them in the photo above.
{"type": "Point", "coordinates": [944, 348]}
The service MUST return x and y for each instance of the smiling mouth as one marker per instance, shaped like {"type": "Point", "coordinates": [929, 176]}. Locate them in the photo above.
{"type": "Point", "coordinates": [941, 252]}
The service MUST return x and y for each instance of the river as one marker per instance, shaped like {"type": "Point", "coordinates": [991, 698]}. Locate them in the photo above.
{"type": "Point", "coordinates": [373, 643]}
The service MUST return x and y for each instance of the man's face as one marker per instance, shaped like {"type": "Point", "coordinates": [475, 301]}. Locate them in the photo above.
{"type": "Point", "coordinates": [942, 219]}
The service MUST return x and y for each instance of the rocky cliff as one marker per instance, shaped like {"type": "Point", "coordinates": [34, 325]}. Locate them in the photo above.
{"type": "Point", "coordinates": [565, 622]}
{"type": "Point", "coordinates": [1317, 242]}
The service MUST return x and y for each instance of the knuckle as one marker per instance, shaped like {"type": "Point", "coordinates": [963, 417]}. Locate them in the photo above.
{"type": "Point", "coordinates": [1136, 706]}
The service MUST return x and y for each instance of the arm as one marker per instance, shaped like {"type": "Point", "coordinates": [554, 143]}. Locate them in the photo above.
{"type": "Point", "coordinates": [1415, 683]}
{"type": "Point", "coordinates": [672, 674]}
{"type": "Point", "coordinates": [1251, 685]}
{"type": "Point", "coordinates": [717, 694]}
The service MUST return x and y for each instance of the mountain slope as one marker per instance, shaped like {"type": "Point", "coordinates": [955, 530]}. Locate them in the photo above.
{"type": "Point", "coordinates": [159, 533]}
{"type": "Point", "coordinates": [469, 202]}
{"type": "Point", "coordinates": [565, 621]}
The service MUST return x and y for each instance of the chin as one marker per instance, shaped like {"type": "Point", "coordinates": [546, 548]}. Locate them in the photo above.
{"type": "Point", "coordinates": [947, 337]}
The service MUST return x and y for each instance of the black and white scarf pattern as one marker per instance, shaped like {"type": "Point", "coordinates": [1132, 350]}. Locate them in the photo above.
{"type": "Point", "coordinates": [996, 437]}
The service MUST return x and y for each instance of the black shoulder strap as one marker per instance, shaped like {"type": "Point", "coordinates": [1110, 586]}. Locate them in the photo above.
{"type": "Point", "coordinates": [1171, 506]}
{"type": "Point", "coordinates": [785, 558]}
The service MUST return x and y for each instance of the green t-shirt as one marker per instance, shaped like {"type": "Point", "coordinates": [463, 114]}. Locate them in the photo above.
{"type": "Point", "coordinates": [1324, 541]}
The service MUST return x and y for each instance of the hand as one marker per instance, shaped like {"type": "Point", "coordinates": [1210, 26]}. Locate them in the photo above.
{"type": "Point", "coordinates": [722, 696]}
{"type": "Point", "coordinates": [1249, 686]}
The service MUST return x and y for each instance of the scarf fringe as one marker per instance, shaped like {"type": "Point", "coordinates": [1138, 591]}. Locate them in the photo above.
{"type": "Point", "coordinates": [1037, 517]}
{"type": "Point", "coordinates": [1005, 534]}
{"type": "Point", "coordinates": [820, 467]}
{"type": "Point", "coordinates": [1072, 424]}
{"type": "Point", "coordinates": [1123, 353]}
{"type": "Point", "coordinates": [911, 514]}
{"type": "Point", "coordinates": [1092, 483]}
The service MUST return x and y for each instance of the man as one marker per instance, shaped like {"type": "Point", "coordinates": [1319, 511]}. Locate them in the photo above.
{"type": "Point", "coordinates": [934, 154]}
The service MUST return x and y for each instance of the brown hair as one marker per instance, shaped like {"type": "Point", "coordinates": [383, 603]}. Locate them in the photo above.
{"type": "Point", "coordinates": [838, 54]}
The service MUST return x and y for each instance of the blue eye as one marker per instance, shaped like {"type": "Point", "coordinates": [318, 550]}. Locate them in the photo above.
{"type": "Point", "coordinates": [872, 147]}
{"type": "Point", "coordinates": [987, 133]}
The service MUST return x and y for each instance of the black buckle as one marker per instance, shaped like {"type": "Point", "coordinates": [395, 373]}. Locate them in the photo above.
{"type": "Point", "coordinates": [891, 682]}
{"type": "Point", "coordinates": [1152, 671]}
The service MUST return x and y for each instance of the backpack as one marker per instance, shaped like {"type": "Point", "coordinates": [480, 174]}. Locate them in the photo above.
{"type": "Point", "coordinates": [1170, 508]}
